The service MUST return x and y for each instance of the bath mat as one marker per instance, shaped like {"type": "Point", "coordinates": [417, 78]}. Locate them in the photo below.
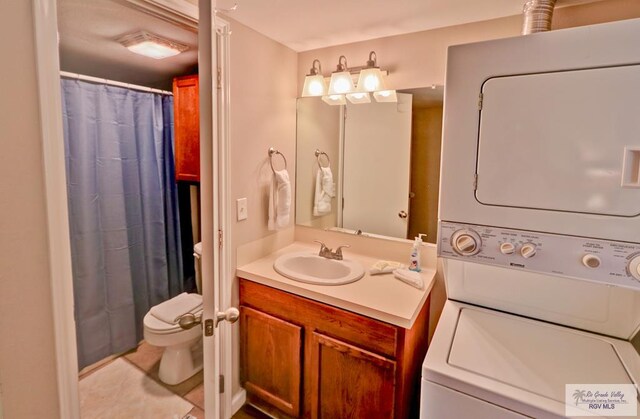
{"type": "Point", "coordinates": [121, 391]}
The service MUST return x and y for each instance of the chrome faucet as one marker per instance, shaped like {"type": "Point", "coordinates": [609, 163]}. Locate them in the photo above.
{"type": "Point", "coordinates": [327, 253]}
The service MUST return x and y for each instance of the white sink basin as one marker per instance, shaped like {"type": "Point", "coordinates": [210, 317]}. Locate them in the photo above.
{"type": "Point", "coordinates": [310, 268]}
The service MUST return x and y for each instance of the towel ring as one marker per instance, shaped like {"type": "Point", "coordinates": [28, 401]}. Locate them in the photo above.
{"type": "Point", "coordinates": [318, 154]}
{"type": "Point", "coordinates": [273, 151]}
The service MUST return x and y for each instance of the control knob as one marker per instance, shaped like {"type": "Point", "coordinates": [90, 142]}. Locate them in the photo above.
{"type": "Point", "coordinates": [528, 250]}
{"type": "Point", "coordinates": [634, 267]}
{"type": "Point", "coordinates": [591, 261]}
{"type": "Point", "coordinates": [507, 248]}
{"type": "Point", "coordinates": [466, 242]}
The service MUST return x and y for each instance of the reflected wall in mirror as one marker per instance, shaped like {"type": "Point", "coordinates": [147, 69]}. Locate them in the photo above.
{"type": "Point", "coordinates": [377, 168]}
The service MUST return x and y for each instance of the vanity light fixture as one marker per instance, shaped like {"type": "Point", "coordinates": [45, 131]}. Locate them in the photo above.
{"type": "Point", "coordinates": [341, 82]}
{"type": "Point", "coordinates": [371, 79]}
{"type": "Point", "coordinates": [359, 97]}
{"type": "Point", "coordinates": [386, 96]}
{"type": "Point", "coordinates": [314, 83]}
{"type": "Point", "coordinates": [334, 100]}
{"type": "Point", "coordinates": [150, 45]}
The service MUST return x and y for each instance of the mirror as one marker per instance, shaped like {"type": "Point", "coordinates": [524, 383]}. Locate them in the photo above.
{"type": "Point", "coordinates": [373, 168]}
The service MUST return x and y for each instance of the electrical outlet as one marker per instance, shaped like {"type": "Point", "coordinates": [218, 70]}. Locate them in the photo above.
{"type": "Point", "coordinates": [241, 209]}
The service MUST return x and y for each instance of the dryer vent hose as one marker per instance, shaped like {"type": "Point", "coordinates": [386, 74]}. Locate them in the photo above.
{"type": "Point", "coordinates": [537, 16]}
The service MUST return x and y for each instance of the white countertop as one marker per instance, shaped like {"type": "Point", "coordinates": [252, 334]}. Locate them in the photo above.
{"type": "Point", "coordinates": [381, 297]}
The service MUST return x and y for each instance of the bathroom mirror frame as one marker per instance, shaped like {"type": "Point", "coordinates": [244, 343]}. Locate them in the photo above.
{"type": "Point", "coordinates": [319, 124]}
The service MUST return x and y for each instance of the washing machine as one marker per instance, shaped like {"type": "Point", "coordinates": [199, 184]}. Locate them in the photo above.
{"type": "Point", "coordinates": [539, 228]}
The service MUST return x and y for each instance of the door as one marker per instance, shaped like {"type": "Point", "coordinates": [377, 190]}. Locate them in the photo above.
{"type": "Point", "coordinates": [271, 352]}
{"type": "Point", "coordinates": [213, 63]}
{"type": "Point", "coordinates": [562, 141]}
{"type": "Point", "coordinates": [347, 381]}
{"type": "Point", "coordinates": [377, 151]}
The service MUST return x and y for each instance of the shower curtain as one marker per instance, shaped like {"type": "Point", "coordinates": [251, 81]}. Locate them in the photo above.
{"type": "Point", "coordinates": [123, 212]}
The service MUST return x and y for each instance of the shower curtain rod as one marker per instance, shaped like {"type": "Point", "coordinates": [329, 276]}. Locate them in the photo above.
{"type": "Point", "coordinates": [112, 83]}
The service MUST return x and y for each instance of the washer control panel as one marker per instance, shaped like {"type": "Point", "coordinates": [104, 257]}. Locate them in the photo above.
{"type": "Point", "coordinates": [616, 263]}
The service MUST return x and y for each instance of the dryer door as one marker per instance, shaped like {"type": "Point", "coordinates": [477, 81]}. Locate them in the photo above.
{"type": "Point", "coordinates": [563, 141]}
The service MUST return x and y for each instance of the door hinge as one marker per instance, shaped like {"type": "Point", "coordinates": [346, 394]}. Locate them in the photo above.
{"type": "Point", "coordinates": [220, 237]}
{"type": "Point", "coordinates": [208, 327]}
{"type": "Point", "coordinates": [222, 384]}
{"type": "Point", "coordinates": [475, 182]}
{"type": "Point", "coordinates": [219, 78]}
{"type": "Point", "coordinates": [480, 99]}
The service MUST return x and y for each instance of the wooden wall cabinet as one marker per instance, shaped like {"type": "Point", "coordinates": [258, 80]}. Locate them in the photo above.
{"type": "Point", "coordinates": [302, 358]}
{"type": "Point", "coordinates": [186, 119]}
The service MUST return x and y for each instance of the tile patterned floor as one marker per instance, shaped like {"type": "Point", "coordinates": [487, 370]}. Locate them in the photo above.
{"type": "Point", "coordinates": [147, 359]}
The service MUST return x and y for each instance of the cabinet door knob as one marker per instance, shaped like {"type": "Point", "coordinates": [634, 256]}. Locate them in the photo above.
{"type": "Point", "coordinates": [403, 214]}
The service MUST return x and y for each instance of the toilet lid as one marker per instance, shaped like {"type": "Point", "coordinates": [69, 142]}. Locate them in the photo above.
{"type": "Point", "coordinates": [156, 325]}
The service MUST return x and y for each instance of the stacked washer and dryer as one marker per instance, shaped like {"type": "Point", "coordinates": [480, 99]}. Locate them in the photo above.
{"type": "Point", "coordinates": [539, 224]}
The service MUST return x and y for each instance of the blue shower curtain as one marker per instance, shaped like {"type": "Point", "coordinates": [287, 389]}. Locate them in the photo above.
{"type": "Point", "coordinates": [123, 212]}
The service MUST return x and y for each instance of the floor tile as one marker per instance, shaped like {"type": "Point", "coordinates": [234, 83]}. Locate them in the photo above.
{"type": "Point", "coordinates": [197, 413]}
{"type": "Point", "coordinates": [147, 358]}
{"type": "Point", "coordinates": [196, 396]}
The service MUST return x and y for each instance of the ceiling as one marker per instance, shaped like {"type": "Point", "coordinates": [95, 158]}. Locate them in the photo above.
{"type": "Point", "coordinates": [88, 29]}
{"type": "Point", "coordinates": [304, 25]}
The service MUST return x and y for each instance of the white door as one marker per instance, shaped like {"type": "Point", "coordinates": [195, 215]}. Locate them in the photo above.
{"type": "Point", "coordinates": [563, 141]}
{"type": "Point", "coordinates": [213, 63]}
{"type": "Point", "coordinates": [377, 154]}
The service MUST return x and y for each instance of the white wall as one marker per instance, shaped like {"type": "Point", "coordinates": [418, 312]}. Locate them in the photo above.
{"type": "Point", "coordinates": [263, 114]}
{"type": "Point", "coordinates": [27, 358]}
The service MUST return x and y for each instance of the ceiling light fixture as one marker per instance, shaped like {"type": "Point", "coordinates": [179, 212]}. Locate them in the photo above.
{"type": "Point", "coordinates": [314, 83]}
{"type": "Point", "coordinates": [150, 45]}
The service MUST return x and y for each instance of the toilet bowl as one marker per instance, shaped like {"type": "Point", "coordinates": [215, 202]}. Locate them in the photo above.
{"type": "Point", "coordinates": [182, 356]}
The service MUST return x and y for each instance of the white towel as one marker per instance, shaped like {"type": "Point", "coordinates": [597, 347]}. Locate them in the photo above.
{"type": "Point", "coordinates": [410, 277]}
{"type": "Point", "coordinates": [325, 190]}
{"type": "Point", "coordinates": [171, 310]}
{"type": "Point", "coordinates": [279, 200]}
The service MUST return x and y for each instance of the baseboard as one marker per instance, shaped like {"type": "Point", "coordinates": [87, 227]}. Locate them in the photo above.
{"type": "Point", "coordinates": [238, 401]}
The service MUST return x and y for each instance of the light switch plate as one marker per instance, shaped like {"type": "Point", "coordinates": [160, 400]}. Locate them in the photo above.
{"type": "Point", "coordinates": [241, 208]}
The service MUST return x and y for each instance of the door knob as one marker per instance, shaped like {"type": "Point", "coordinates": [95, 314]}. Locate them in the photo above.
{"type": "Point", "coordinates": [403, 214]}
{"type": "Point", "coordinates": [231, 315]}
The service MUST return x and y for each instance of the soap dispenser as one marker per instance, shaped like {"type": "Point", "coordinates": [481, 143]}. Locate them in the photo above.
{"type": "Point", "coordinates": [414, 259]}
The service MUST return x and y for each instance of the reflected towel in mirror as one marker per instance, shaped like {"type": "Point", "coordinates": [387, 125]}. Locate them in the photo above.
{"type": "Point", "coordinates": [325, 191]}
{"type": "Point", "coordinates": [279, 200]}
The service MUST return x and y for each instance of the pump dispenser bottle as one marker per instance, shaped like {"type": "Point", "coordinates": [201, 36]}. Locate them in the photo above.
{"type": "Point", "coordinates": [414, 259]}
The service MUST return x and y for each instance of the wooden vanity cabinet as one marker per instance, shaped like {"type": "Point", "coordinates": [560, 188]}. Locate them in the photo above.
{"type": "Point", "coordinates": [186, 122]}
{"type": "Point", "coordinates": [302, 358]}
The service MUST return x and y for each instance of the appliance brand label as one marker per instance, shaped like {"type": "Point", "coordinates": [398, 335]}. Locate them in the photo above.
{"type": "Point", "coordinates": [598, 400]}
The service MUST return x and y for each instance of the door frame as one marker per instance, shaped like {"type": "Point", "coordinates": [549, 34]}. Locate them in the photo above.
{"type": "Point", "coordinates": [50, 102]}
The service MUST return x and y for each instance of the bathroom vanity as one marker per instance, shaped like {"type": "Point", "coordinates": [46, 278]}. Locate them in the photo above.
{"type": "Point", "coordinates": [331, 351]}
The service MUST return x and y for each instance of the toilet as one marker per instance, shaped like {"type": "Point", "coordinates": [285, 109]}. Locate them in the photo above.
{"type": "Point", "coordinates": [182, 356]}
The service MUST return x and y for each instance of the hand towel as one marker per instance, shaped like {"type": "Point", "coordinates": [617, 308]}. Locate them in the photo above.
{"type": "Point", "coordinates": [171, 310]}
{"type": "Point", "coordinates": [385, 267]}
{"type": "Point", "coordinates": [325, 190]}
{"type": "Point", "coordinates": [279, 200]}
{"type": "Point", "coordinates": [410, 277]}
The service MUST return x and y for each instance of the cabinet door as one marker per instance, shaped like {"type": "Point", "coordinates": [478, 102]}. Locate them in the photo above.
{"type": "Point", "coordinates": [271, 355]}
{"type": "Point", "coordinates": [344, 381]}
{"type": "Point", "coordinates": [186, 112]}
